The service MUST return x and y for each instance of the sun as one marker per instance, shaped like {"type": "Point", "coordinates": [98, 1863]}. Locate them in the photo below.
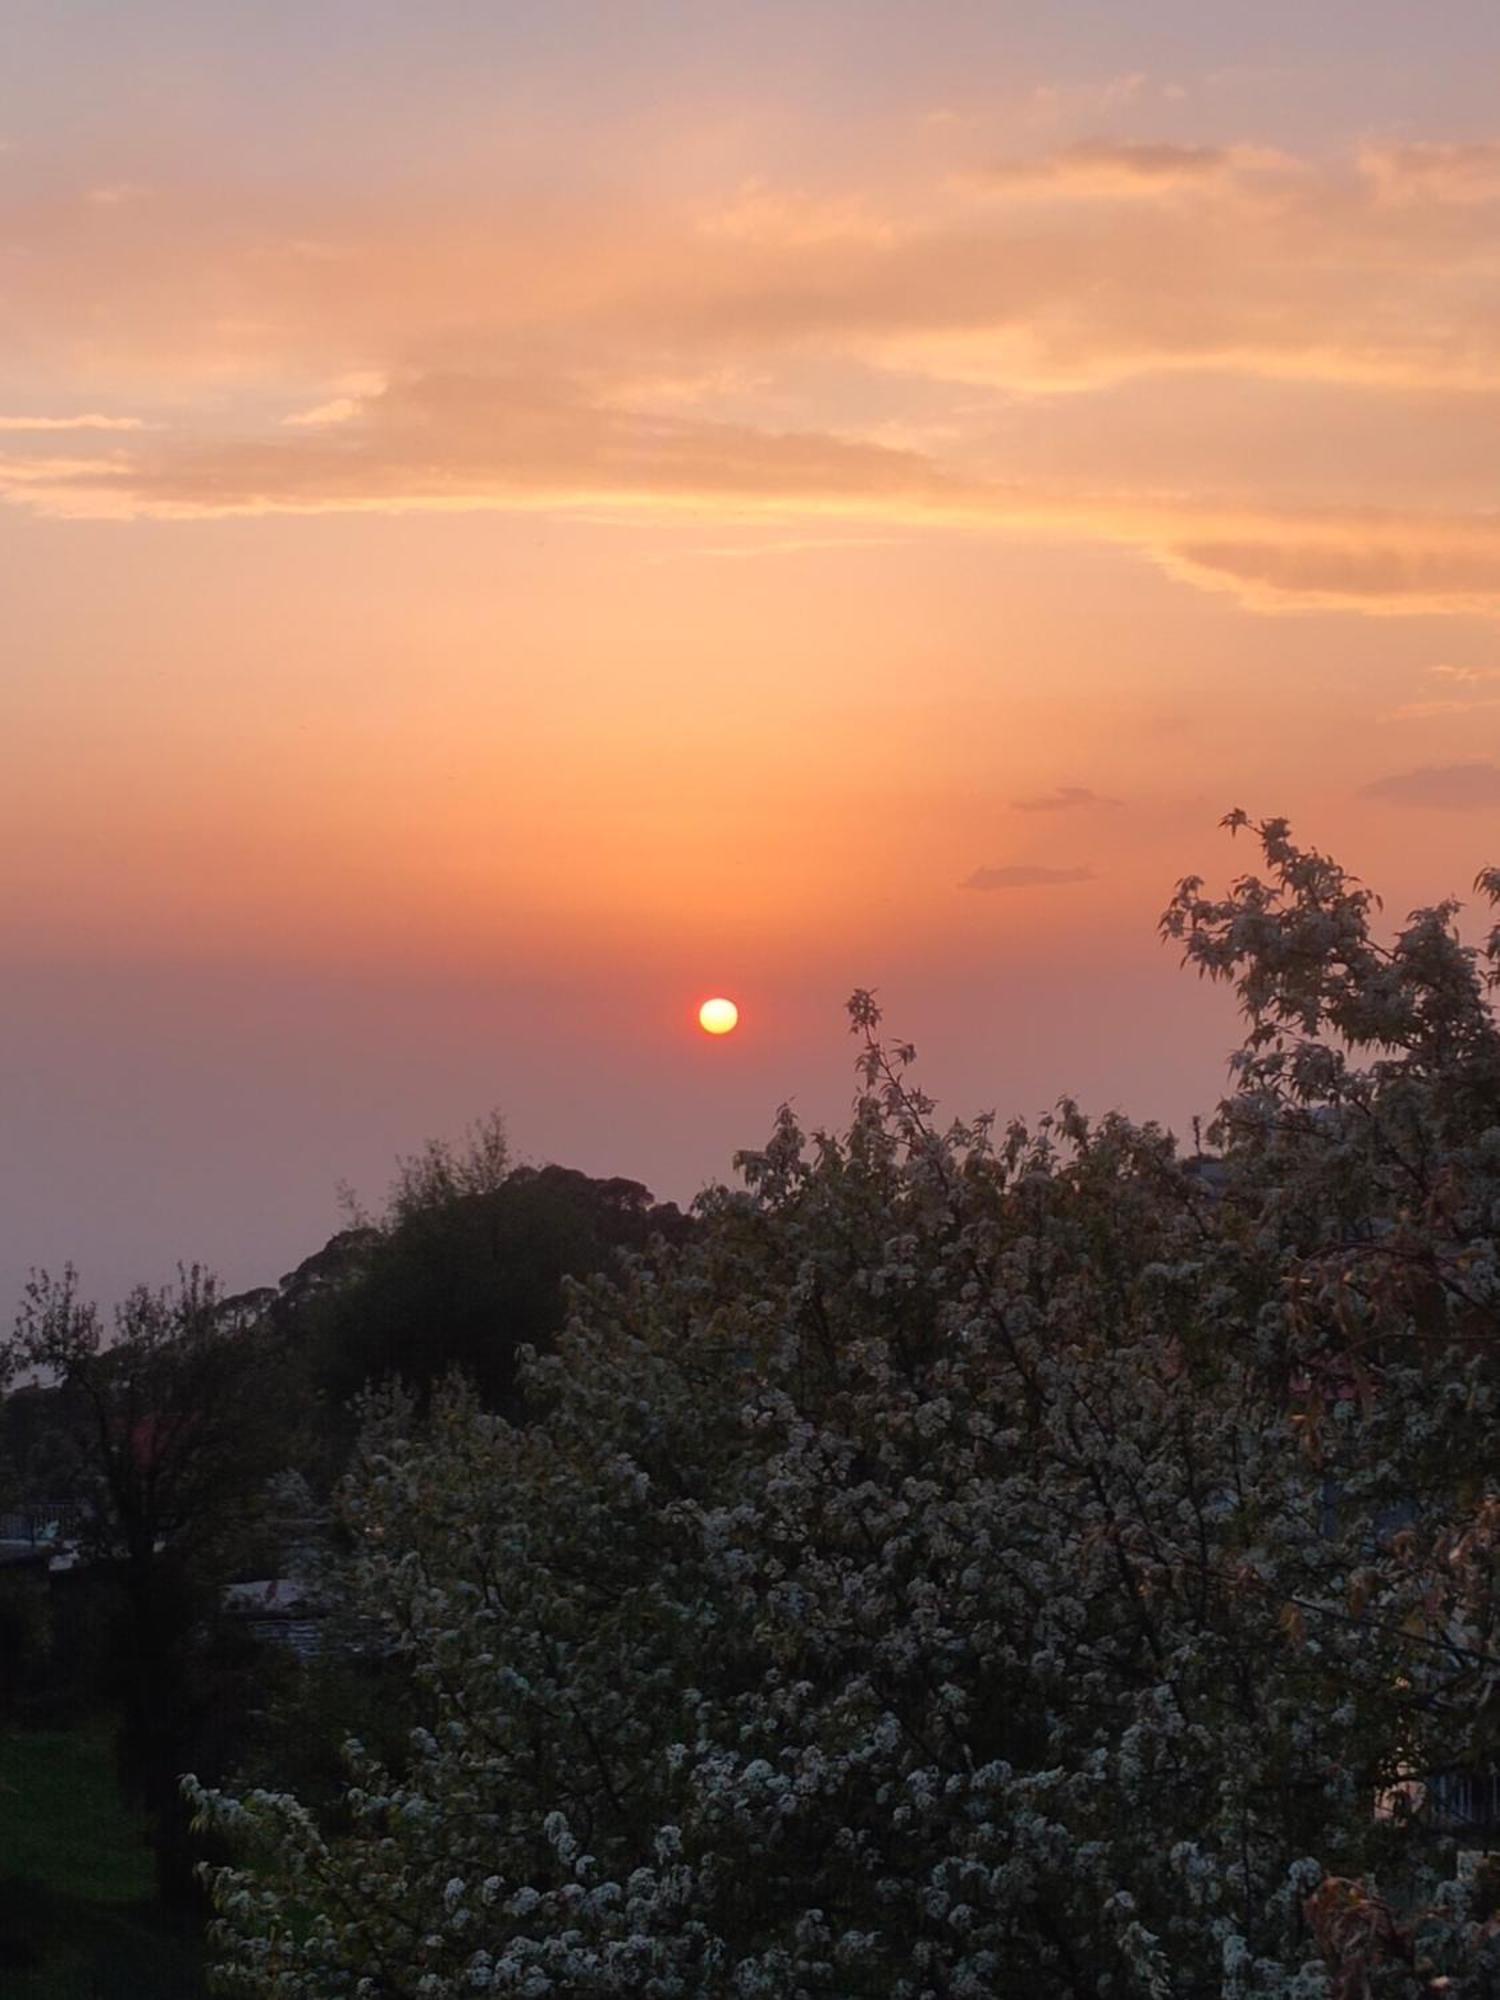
{"type": "Point", "coordinates": [718, 1017]}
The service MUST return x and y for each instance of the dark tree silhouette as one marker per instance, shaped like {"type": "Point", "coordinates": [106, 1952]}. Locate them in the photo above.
{"type": "Point", "coordinates": [165, 1433]}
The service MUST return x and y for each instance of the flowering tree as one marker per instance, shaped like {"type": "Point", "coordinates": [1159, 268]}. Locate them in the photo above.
{"type": "Point", "coordinates": [979, 1562]}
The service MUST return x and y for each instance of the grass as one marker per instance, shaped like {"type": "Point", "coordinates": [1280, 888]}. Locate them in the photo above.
{"type": "Point", "coordinates": [61, 1820]}
{"type": "Point", "coordinates": [77, 1915]}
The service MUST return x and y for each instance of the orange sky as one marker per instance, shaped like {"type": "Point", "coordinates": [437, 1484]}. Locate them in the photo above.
{"type": "Point", "coordinates": [511, 526]}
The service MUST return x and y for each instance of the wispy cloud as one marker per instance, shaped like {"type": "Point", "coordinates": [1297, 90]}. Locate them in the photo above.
{"type": "Point", "coordinates": [337, 410]}
{"type": "Point", "coordinates": [785, 545]}
{"type": "Point", "coordinates": [1024, 875]}
{"type": "Point", "coordinates": [350, 394]}
{"type": "Point", "coordinates": [1099, 169]}
{"type": "Point", "coordinates": [461, 440]}
{"type": "Point", "coordinates": [1425, 711]}
{"type": "Point", "coordinates": [1453, 677]}
{"type": "Point", "coordinates": [1452, 787]}
{"type": "Point", "coordinates": [1286, 268]}
{"type": "Point", "coordinates": [1432, 172]}
{"type": "Point", "coordinates": [1420, 565]}
{"type": "Point", "coordinates": [60, 485]}
{"type": "Point", "coordinates": [89, 421]}
{"type": "Point", "coordinates": [1063, 798]}
{"type": "Point", "coordinates": [850, 356]}
{"type": "Point", "coordinates": [465, 440]}
{"type": "Point", "coordinates": [1465, 676]}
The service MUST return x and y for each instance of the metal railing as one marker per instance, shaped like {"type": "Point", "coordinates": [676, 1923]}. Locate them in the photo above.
{"type": "Point", "coordinates": [37, 1525]}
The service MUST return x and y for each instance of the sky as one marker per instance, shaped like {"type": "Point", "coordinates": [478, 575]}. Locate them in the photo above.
{"type": "Point", "coordinates": [514, 519]}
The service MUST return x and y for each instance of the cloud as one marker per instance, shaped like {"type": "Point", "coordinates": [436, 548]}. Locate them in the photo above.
{"type": "Point", "coordinates": [1424, 711]}
{"type": "Point", "coordinates": [875, 351]}
{"type": "Point", "coordinates": [90, 421]}
{"type": "Point", "coordinates": [1422, 566]}
{"type": "Point", "coordinates": [337, 410]}
{"type": "Point", "coordinates": [1432, 172]}
{"type": "Point", "coordinates": [71, 482]}
{"type": "Point", "coordinates": [1098, 168]}
{"type": "Point", "coordinates": [463, 440]}
{"type": "Point", "coordinates": [351, 392]}
{"type": "Point", "coordinates": [1450, 704]}
{"type": "Point", "coordinates": [792, 545]}
{"type": "Point", "coordinates": [1465, 676]}
{"type": "Point", "coordinates": [1063, 798]}
{"type": "Point", "coordinates": [1453, 787]}
{"type": "Point", "coordinates": [1284, 268]}
{"type": "Point", "coordinates": [1024, 875]}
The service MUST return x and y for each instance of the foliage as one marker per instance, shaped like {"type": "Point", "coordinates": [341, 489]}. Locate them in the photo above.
{"type": "Point", "coordinates": [466, 1268]}
{"type": "Point", "coordinates": [170, 1419]}
{"type": "Point", "coordinates": [164, 1430]}
{"type": "Point", "coordinates": [978, 1562]}
{"type": "Point", "coordinates": [442, 1172]}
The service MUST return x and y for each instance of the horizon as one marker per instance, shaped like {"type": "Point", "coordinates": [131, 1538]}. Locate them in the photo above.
{"type": "Point", "coordinates": [514, 525]}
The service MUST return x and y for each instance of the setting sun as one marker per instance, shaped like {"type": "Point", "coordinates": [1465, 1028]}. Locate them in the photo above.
{"type": "Point", "coordinates": [718, 1017]}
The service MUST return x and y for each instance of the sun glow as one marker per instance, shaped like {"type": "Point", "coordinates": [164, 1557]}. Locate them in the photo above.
{"type": "Point", "coordinates": [718, 1017]}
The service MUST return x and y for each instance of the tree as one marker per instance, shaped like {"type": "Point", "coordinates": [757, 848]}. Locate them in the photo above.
{"type": "Point", "coordinates": [165, 1432]}
{"type": "Point", "coordinates": [443, 1173]}
{"type": "Point", "coordinates": [466, 1268]}
{"type": "Point", "coordinates": [977, 1562]}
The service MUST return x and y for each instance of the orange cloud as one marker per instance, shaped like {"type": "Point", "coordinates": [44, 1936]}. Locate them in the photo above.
{"type": "Point", "coordinates": [90, 421]}
{"type": "Point", "coordinates": [853, 351]}
{"type": "Point", "coordinates": [465, 440]}
{"type": "Point", "coordinates": [1450, 676]}
{"type": "Point", "coordinates": [1108, 169]}
{"type": "Point", "coordinates": [1270, 265]}
{"type": "Point", "coordinates": [1388, 569]}
{"type": "Point", "coordinates": [461, 441]}
{"type": "Point", "coordinates": [1426, 711]}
